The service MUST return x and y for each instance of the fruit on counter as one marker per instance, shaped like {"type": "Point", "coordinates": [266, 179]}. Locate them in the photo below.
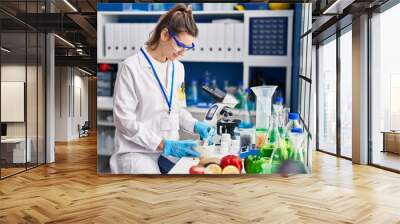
{"type": "Point", "coordinates": [261, 139]}
{"type": "Point", "coordinates": [231, 160]}
{"type": "Point", "coordinates": [213, 169]}
{"type": "Point", "coordinates": [204, 161]}
{"type": "Point", "coordinates": [196, 169]}
{"type": "Point", "coordinates": [231, 169]}
{"type": "Point", "coordinates": [254, 164]}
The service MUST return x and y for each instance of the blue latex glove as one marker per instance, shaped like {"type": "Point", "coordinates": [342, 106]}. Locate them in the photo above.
{"type": "Point", "coordinates": [205, 131]}
{"type": "Point", "coordinates": [183, 148]}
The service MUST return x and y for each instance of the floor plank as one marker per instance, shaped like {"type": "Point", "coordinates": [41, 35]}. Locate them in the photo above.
{"type": "Point", "coordinates": [70, 191]}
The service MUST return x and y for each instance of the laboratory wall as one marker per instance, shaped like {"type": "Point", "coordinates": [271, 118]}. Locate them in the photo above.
{"type": "Point", "coordinates": [240, 49]}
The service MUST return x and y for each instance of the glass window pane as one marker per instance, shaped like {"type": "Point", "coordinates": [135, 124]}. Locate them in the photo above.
{"type": "Point", "coordinates": [385, 88]}
{"type": "Point", "coordinates": [307, 103]}
{"type": "Point", "coordinates": [346, 94]}
{"type": "Point", "coordinates": [309, 55]}
{"type": "Point", "coordinates": [300, 95]}
{"type": "Point", "coordinates": [13, 87]}
{"type": "Point", "coordinates": [31, 97]}
{"type": "Point", "coordinates": [303, 98]}
{"type": "Point", "coordinates": [327, 97]}
{"type": "Point", "coordinates": [41, 99]}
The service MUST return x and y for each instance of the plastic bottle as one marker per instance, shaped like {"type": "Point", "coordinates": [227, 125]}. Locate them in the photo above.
{"type": "Point", "coordinates": [205, 98]}
{"type": "Point", "coordinates": [278, 110]}
{"type": "Point", "coordinates": [214, 83]}
{"type": "Point", "coordinates": [244, 113]}
{"type": "Point", "coordinates": [226, 85]}
{"type": "Point", "coordinates": [225, 143]}
{"type": "Point", "coordinates": [193, 94]}
{"type": "Point", "coordinates": [235, 147]}
{"type": "Point", "coordinates": [109, 144]}
{"type": "Point", "coordinates": [239, 96]}
{"type": "Point", "coordinates": [293, 122]}
{"type": "Point", "coordinates": [297, 137]}
{"type": "Point", "coordinates": [102, 144]}
{"type": "Point", "coordinates": [278, 105]}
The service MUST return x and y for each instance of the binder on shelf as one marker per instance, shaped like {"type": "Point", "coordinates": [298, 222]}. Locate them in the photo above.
{"type": "Point", "coordinates": [201, 40]}
{"type": "Point", "coordinates": [109, 33]}
{"type": "Point", "coordinates": [149, 27]}
{"type": "Point", "coordinates": [133, 47]}
{"type": "Point", "coordinates": [210, 41]}
{"type": "Point", "coordinates": [125, 37]}
{"type": "Point", "coordinates": [239, 40]}
{"type": "Point", "coordinates": [139, 35]}
{"type": "Point", "coordinates": [218, 42]}
{"type": "Point", "coordinates": [117, 41]}
{"type": "Point", "coordinates": [229, 40]}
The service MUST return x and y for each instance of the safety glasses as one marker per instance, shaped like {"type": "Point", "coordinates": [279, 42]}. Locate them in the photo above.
{"type": "Point", "coordinates": [180, 44]}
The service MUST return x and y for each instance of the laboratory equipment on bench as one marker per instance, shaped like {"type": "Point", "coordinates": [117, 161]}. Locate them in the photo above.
{"type": "Point", "coordinates": [244, 113]}
{"type": "Point", "coordinates": [193, 97]}
{"type": "Point", "coordinates": [278, 111]}
{"type": "Point", "coordinates": [220, 114]}
{"type": "Point", "coordinates": [297, 138]}
{"type": "Point", "coordinates": [263, 112]}
{"type": "Point", "coordinates": [293, 121]}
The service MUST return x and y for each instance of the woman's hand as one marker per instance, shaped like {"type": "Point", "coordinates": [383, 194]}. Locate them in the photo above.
{"type": "Point", "coordinates": [206, 131]}
{"type": "Point", "coordinates": [183, 148]}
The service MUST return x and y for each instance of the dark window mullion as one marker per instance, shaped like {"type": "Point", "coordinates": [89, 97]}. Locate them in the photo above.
{"type": "Point", "coordinates": [26, 86]}
{"type": "Point", "coordinates": [338, 95]}
{"type": "Point", "coordinates": [317, 97]}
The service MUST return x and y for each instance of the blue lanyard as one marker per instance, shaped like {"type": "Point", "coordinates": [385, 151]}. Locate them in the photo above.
{"type": "Point", "coordinates": [169, 102]}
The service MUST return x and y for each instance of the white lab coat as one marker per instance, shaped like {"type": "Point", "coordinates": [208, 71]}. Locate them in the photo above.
{"type": "Point", "coordinates": [141, 115]}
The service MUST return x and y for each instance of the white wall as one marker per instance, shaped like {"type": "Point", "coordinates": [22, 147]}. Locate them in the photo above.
{"type": "Point", "coordinates": [12, 73]}
{"type": "Point", "coordinates": [71, 87]}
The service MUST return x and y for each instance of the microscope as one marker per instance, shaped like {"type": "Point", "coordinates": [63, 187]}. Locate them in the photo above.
{"type": "Point", "coordinates": [220, 114]}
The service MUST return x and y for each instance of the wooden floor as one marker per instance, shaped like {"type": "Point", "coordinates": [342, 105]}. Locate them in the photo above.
{"type": "Point", "coordinates": [70, 191]}
{"type": "Point", "coordinates": [387, 159]}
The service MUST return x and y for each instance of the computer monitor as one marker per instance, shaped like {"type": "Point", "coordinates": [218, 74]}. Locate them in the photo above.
{"type": "Point", "coordinates": [3, 129]}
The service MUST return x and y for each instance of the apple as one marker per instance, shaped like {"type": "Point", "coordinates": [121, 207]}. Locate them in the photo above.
{"type": "Point", "coordinates": [231, 160]}
{"type": "Point", "coordinates": [231, 169]}
{"type": "Point", "coordinates": [213, 169]}
{"type": "Point", "coordinates": [196, 169]}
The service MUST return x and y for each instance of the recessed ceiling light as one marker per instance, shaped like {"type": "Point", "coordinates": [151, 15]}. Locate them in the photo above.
{"type": "Point", "coordinates": [5, 50]}
{"type": "Point", "coordinates": [84, 71]}
{"type": "Point", "coordinates": [64, 40]}
{"type": "Point", "coordinates": [70, 5]}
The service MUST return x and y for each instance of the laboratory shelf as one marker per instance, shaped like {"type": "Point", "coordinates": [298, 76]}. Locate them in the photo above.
{"type": "Point", "coordinates": [105, 103]}
{"type": "Point", "coordinates": [224, 60]}
{"type": "Point", "coordinates": [105, 124]}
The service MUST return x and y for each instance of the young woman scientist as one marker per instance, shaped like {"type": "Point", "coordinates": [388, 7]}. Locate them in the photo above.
{"type": "Point", "coordinates": [149, 99]}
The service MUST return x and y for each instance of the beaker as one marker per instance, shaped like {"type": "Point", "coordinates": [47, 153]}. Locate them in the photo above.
{"type": "Point", "coordinates": [263, 111]}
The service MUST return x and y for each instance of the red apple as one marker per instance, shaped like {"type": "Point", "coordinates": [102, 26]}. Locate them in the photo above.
{"type": "Point", "coordinates": [232, 160]}
{"type": "Point", "coordinates": [196, 169]}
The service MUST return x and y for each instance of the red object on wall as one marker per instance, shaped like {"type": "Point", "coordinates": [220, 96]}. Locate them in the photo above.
{"type": "Point", "coordinates": [104, 67]}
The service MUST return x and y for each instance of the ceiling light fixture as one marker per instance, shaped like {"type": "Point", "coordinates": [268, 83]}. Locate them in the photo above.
{"type": "Point", "coordinates": [65, 41]}
{"type": "Point", "coordinates": [5, 50]}
{"type": "Point", "coordinates": [84, 71]}
{"type": "Point", "coordinates": [337, 7]}
{"type": "Point", "coordinates": [70, 5]}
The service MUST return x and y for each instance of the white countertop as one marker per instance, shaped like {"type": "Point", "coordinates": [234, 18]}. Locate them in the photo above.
{"type": "Point", "coordinates": [184, 164]}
